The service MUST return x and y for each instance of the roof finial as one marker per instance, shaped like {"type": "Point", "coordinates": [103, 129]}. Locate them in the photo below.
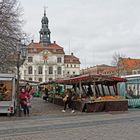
{"type": "Point", "coordinates": [45, 7]}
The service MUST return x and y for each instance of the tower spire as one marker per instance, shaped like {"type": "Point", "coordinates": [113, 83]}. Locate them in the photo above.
{"type": "Point", "coordinates": [45, 32]}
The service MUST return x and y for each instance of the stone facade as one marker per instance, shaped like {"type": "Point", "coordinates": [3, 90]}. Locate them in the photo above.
{"type": "Point", "coordinates": [47, 61]}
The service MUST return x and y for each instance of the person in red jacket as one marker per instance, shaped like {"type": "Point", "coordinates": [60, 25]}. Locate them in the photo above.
{"type": "Point", "coordinates": [24, 100]}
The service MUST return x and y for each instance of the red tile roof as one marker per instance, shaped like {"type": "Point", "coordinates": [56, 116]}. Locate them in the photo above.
{"type": "Point", "coordinates": [71, 59]}
{"type": "Point", "coordinates": [38, 47]}
{"type": "Point", "coordinates": [129, 63]}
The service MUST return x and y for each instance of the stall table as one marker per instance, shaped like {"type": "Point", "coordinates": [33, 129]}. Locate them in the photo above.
{"type": "Point", "coordinates": [97, 105]}
{"type": "Point", "coordinates": [105, 105]}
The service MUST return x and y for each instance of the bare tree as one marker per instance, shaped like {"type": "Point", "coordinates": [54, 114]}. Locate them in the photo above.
{"type": "Point", "coordinates": [115, 58]}
{"type": "Point", "coordinates": [115, 61]}
{"type": "Point", "coordinates": [10, 32]}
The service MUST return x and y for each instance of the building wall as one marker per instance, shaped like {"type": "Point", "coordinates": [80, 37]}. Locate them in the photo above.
{"type": "Point", "coordinates": [98, 69]}
{"type": "Point", "coordinates": [72, 69]}
{"type": "Point", "coordinates": [38, 61]}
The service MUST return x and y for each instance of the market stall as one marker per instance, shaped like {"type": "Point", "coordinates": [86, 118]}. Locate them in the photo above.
{"type": "Point", "coordinates": [94, 93]}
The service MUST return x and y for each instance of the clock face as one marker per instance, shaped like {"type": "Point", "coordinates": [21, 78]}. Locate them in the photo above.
{"type": "Point", "coordinates": [45, 55]}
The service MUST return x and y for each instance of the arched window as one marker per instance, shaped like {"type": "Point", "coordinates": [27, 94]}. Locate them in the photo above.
{"type": "Point", "coordinates": [30, 70]}
{"type": "Point", "coordinates": [59, 70]}
{"type": "Point", "coordinates": [40, 70]}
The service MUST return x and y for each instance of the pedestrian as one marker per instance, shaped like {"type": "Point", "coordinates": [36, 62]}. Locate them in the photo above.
{"type": "Point", "coordinates": [24, 101]}
{"type": "Point", "coordinates": [31, 91]}
{"type": "Point", "coordinates": [72, 97]}
{"type": "Point", "coordinates": [45, 97]}
{"type": "Point", "coordinates": [68, 100]}
{"type": "Point", "coordinates": [65, 100]}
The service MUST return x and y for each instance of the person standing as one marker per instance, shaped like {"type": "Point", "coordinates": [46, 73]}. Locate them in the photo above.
{"type": "Point", "coordinates": [68, 100]}
{"type": "Point", "coordinates": [24, 100]}
{"type": "Point", "coordinates": [45, 97]}
{"type": "Point", "coordinates": [72, 97]}
{"type": "Point", "coordinates": [65, 100]}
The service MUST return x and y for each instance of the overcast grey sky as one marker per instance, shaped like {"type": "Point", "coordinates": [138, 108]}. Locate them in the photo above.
{"type": "Point", "coordinates": [94, 29]}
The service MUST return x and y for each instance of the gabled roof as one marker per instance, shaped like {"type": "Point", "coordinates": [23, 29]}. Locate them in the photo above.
{"type": "Point", "coordinates": [71, 59]}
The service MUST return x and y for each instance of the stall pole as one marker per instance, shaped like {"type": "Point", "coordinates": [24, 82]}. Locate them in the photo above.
{"type": "Point", "coordinates": [103, 90]}
{"type": "Point", "coordinates": [109, 90]}
{"type": "Point", "coordinates": [18, 100]}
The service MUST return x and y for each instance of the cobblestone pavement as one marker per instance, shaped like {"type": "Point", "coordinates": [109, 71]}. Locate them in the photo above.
{"type": "Point", "coordinates": [55, 125]}
{"type": "Point", "coordinates": [41, 108]}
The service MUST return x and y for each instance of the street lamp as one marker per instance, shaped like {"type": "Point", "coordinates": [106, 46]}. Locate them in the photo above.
{"type": "Point", "coordinates": [21, 56]}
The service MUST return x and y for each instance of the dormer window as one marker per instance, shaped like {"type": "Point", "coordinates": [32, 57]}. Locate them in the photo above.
{"type": "Point", "coordinates": [30, 59]}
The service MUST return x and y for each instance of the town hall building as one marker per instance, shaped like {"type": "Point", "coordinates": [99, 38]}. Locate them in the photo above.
{"type": "Point", "coordinates": [47, 60]}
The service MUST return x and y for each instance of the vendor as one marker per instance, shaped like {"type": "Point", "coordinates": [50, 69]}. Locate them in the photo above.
{"type": "Point", "coordinates": [2, 88]}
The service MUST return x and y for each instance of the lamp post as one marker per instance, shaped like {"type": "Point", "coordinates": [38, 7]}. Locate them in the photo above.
{"type": "Point", "coordinates": [21, 56]}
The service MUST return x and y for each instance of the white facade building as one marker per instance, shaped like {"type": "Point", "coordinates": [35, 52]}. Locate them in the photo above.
{"type": "Point", "coordinates": [47, 61]}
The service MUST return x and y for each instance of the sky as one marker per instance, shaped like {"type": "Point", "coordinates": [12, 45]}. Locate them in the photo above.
{"type": "Point", "coordinates": [94, 30]}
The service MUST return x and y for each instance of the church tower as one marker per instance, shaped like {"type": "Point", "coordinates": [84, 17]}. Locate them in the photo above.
{"type": "Point", "coordinates": [45, 32]}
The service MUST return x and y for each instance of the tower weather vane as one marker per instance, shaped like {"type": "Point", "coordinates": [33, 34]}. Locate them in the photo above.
{"type": "Point", "coordinates": [45, 7]}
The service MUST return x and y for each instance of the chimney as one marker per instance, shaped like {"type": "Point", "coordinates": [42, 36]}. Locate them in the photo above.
{"type": "Point", "coordinates": [72, 53]}
{"type": "Point", "coordinates": [54, 42]}
{"type": "Point", "coordinates": [32, 41]}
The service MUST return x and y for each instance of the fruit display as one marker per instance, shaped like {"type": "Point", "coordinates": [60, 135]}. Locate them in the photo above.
{"type": "Point", "coordinates": [110, 98]}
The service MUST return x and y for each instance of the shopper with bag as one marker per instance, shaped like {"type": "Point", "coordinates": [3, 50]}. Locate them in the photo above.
{"type": "Point", "coordinates": [68, 100]}
{"type": "Point", "coordinates": [65, 99]}
{"type": "Point", "coordinates": [24, 101]}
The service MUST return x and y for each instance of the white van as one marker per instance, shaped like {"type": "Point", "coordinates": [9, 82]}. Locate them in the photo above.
{"type": "Point", "coordinates": [7, 93]}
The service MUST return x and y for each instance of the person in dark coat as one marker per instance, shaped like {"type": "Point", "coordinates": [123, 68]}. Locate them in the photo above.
{"type": "Point", "coordinates": [68, 100]}
{"type": "Point", "coordinates": [24, 100]}
{"type": "Point", "coordinates": [45, 97]}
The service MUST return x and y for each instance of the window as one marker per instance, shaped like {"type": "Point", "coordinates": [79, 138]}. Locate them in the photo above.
{"type": "Point", "coordinates": [30, 79]}
{"type": "Point", "coordinates": [40, 70]}
{"type": "Point", "coordinates": [67, 65]}
{"type": "Point", "coordinates": [73, 72]}
{"type": "Point", "coordinates": [71, 65]}
{"type": "Point", "coordinates": [75, 66]}
{"type": "Point", "coordinates": [40, 79]}
{"type": "Point", "coordinates": [50, 79]}
{"type": "Point", "coordinates": [30, 70]}
{"type": "Point", "coordinates": [59, 70]}
{"type": "Point", "coordinates": [68, 72]}
{"type": "Point", "coordinates": [35, 72]}
{"type": "Point", "coordinates": [24, 72]}
{"type": "Point", "coordinates": [30, 59]}
{"type": "Point", "coordinates": [50, 70]}
{"type": "Point", "coordinates": [59, 60]}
